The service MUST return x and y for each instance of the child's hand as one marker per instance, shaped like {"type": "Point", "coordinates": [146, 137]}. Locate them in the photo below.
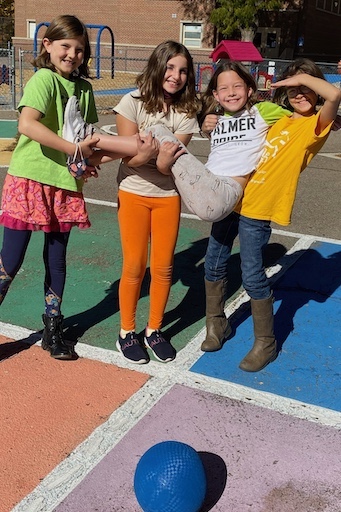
{"type": "Point", "coordinates": [169, 152]}
{"type": "Point", "coordinates": [88, 145]}
{"type": "Point", "coordinates": [90, 172]}
{"type": "Point", "coordinates": [147, 147]}
{"type": "Point", "coordinates": [209, 123]}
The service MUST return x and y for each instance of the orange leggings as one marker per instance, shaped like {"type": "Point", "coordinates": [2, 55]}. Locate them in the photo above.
{"type": "Point", "coordinates": [144, 220]}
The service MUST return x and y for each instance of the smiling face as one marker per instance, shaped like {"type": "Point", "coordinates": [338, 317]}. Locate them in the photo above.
{"type": "Point", "coordinates": [303, 100]}
{"type": "Point", "coordinates": [66, 55]}
{"type": "Point", "coordinates": [175, 77]}
{"type": "Point", "coordinates": [232, 93]}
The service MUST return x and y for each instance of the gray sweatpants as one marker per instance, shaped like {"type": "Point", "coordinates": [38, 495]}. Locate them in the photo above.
{"type": "Point", "coordinates": [210, 197]}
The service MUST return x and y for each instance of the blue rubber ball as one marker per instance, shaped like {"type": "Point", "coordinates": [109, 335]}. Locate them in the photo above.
{"type": "Point", "coordinates": [170, 477]}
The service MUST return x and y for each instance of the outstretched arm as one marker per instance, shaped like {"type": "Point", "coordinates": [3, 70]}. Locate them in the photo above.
{"type": "Point", "coordinates": [147, 150]}
{"type": "Point", "coordinates": [30, 125]}
{"type": "Point", "coordinates": [327, 91]}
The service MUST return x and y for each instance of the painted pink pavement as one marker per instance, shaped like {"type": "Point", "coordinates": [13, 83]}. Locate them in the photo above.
{"type": "Point", "coordinates": [263, 448]}
{"type": "Point", "coordinates": [269, 442]}
{"type": "Point", "coordinates": [256, 459]}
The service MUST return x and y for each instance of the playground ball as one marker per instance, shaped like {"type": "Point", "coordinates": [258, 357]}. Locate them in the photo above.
{"type": "Point", "coordinates": [170, 477]}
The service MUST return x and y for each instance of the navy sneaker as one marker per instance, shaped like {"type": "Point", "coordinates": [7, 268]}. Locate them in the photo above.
{"type": "Point", "coordinates": [161, 348]}
{"type": "Point", "coordinates": [131, 349]}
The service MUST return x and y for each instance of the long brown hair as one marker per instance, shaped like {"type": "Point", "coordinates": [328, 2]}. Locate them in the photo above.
{"type": "Point", "coordinates": [301, 65]}
{"type": "Point", "coordinates": [65, 26]}
{"type": "Point", "coordinates": [150, 81]}
{"type": "Point", "coordinates": [210, 105]}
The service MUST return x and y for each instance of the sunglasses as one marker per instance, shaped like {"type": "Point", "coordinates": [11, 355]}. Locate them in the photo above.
{"type": "Point", "coordinates": [292, 92]}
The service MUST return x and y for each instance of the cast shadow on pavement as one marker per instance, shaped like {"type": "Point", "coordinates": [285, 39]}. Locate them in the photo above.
{"type": "Point", "coordinates": [192, 307]}
{"type": "Point", "coordinates": [216, 478]}
{"type": "Point", "coordinates": [189, 270]}
{"type": "Point", "coordinates": [12, 348]}
{"type": "Point", "coordinates": [311, 278]}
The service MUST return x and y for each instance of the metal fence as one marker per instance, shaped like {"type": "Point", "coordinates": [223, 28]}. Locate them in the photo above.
{"type": "Point", "coordinates": [114, 77]}
{"type": "Point", "coordinates": [7, 79]}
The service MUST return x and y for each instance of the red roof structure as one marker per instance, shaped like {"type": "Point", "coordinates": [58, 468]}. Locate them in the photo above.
{"type": "Point", "coordinates": [236, 50]}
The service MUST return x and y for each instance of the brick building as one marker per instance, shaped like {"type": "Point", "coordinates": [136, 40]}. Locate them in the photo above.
{"type": "Point", "coordinates": [307, 27]}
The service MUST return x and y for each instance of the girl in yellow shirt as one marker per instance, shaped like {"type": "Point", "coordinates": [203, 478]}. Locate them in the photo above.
{"type": "Point", "coordinates": [269, 195]}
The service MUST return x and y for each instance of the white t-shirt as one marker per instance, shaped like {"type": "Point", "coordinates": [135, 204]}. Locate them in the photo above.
{"type": "Point", "coordinates": [238, 140]}
{"type": "Point", "coordinates": [147, 180]}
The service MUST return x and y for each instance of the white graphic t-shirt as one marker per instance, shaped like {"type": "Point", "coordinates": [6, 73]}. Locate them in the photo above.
{"type": "Point", "coordinates": [238, 140]}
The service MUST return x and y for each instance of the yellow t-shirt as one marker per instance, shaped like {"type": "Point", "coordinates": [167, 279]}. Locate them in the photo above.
{"type": "Point", "coordinates": [290, 146]}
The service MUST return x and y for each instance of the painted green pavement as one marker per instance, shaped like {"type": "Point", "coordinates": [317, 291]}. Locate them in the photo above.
{"type": "Point", "coordinates": [8, 129]}
{"type": "Point", "coordinates": [90, 304]}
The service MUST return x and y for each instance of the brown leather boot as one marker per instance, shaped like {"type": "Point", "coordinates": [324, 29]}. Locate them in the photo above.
{"type": "Point", "coordinates": [264, 349]}
{"type": "Point", "coordinates": [217, 325]}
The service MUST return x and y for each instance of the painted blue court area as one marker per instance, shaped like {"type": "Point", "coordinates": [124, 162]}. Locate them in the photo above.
{"type": "Point", "coordinates": [8, 129]}
{"type": "Point", "coordinates": [307, 326]}
{"type": "Point", "coordinates": [333, 78]}
{"type": "Point", "coordinates": [110, 92]}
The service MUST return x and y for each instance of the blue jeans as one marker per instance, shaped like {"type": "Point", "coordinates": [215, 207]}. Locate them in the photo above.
{"type": "Point", "coordinates": [253, 237]}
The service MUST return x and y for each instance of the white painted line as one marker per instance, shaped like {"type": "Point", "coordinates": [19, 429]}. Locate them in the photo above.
{"type": "Point", "coordinates": [337, 156]}
{"type": "Point", "coordinates": [58, 484]}
{"type": "Point", "coordinates": [195, 217]}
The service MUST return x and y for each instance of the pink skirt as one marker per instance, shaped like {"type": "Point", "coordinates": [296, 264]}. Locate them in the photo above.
{"type": "Point", "coordinates": [30, 205]}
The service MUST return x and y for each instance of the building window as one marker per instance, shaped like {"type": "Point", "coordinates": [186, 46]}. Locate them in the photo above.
{"type": "Point", "coordinates": [31, 28]}
{"type": "Point", "coordinates": [333, 6]}
{"type": "Point", "coordinates": [191, 34]}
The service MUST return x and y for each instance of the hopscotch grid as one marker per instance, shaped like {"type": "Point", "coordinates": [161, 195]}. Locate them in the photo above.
{"type": "Point", "coordinates": [58, 484]}
{"type": "Point", "coordinates": [65, 477]}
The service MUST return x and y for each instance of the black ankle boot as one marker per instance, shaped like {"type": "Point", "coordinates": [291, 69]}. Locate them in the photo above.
{"type": "Point", "coordinates": [52, 339]}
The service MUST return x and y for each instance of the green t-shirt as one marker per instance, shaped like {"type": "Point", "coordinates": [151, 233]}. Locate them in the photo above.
{"type": "Point", "coordinates": [48, 93]}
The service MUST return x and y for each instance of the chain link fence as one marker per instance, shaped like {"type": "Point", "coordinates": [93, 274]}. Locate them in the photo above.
{"type": "Point", "coordinates": [7, 78]}
{"type": "Point", "coordinates": [114, 77]}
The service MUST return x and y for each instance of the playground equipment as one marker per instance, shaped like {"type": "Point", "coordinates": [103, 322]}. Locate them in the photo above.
{"type": "Point", "coordinates": [242, 51]}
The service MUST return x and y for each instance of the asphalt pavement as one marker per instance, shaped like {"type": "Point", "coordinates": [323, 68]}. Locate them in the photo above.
{"type": "Point", "coordinates": [74, 432]}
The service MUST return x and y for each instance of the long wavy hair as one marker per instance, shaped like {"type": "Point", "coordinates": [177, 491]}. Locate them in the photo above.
{"type": "Point", "coordinates": [150, 81]}
{"type": "Point", "coordinates": [301, 65]}
{"type": "Point", "coordinates": [210, 105]}
{"type": "Point", "coordinates": [65, 26]}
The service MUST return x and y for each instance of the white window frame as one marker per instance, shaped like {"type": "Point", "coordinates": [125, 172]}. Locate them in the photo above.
{"type": "Point", "coordinates": [188, 41]}
{"type": "Point", "coordinates": [31, 28]}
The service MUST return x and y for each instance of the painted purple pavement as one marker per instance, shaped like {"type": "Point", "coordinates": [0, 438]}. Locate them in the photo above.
{"type": "Point", "coordinates": [256, 459]}
{"type": "Point", "coordinates": [307, 325]}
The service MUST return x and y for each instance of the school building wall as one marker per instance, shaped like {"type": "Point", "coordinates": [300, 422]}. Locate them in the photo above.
{"type": "Point", "coordinates": [143, 24]}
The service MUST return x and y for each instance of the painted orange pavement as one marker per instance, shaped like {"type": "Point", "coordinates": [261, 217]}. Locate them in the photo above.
{"type": "Point", "coordinates": [48, 408]}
